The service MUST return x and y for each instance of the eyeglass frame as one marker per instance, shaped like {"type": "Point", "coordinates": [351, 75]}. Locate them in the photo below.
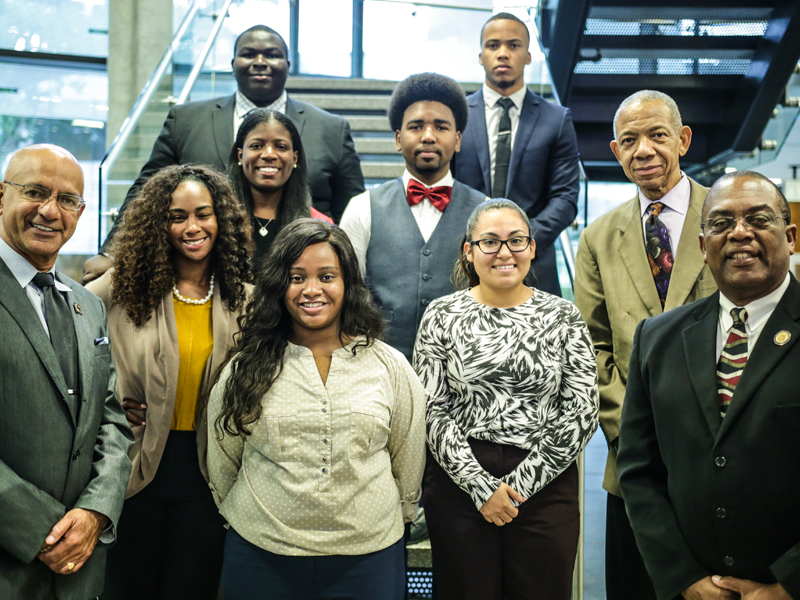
{"type": "Point", "coordinates": [734, 221]}
{"type": "Point", "coordinates": [477, 243]}
{"type": "Point", "coordinates": [50, 194]}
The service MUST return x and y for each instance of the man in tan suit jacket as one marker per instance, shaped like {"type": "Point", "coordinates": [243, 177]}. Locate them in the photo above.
{"type": "Point", "coordinates": [615, 288]}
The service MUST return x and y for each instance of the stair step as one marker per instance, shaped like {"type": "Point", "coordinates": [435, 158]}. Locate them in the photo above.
{"type": "Point", "coordinates": [359, 123]}
{"type": "Point", "coordinates": [382, 170]}
{"type": "Point", "coordinates": [375, 146]}
{"type": "Point", "coordinates": [351, 102]}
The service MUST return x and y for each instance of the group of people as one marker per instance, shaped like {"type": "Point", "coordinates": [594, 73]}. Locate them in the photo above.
{"type": "Point", "coordinates": [255, 400]}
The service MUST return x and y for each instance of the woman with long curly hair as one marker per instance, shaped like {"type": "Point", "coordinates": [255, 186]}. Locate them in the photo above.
{"type": "Point", "coordinates": [267, 170]}
{"type": "Point", "coordinates": [316, 432]}
{"type": "Point", "coordinates": [180, 280]}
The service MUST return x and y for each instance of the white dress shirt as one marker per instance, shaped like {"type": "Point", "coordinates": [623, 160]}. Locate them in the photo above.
{"type": "Point", "coordinates": [758, 313]}
{"type": "Point", "coordinates": [493, 113]}
{"type": "Point", "coordinates": [357, 218]}
{"type": "Point", "coordinates": [24, 272]}
{"type": "Point", "coordinates": [676, 204]}
{"type": "Point", "coordinates": [244, 105]}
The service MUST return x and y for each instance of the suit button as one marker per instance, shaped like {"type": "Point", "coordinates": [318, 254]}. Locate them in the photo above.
{"type": "Point", "coordinates": [426, 252]}
{"type": "Point", "coordinates": [424, 302]}
{"type": "Point", "coordinates": [76, 455]}
{"type": "Point", "coordinates": [721, 513]}
{"type": "Point", "coordinates": [426, 277]}
{"type": "Point", "coordinates": [728, 560]}
{"type": "Point", "coordinates": [720, 461]}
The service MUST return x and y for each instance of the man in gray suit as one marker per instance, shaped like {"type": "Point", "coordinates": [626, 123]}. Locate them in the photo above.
{"type": "Point", "coordinates": [203, 132]}
{"type": "Point", "coordinates": [64, 442]}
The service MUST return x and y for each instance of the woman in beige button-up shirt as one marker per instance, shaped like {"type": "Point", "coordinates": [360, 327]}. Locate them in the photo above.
{"type": "Point", "coordinates": [316, 427]}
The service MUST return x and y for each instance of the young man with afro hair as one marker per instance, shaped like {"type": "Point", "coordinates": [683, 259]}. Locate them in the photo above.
{"type": "Point", "coordinates": [407, 232]}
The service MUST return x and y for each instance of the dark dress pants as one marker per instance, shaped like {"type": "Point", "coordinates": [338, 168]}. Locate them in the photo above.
{"type": "Point", "coordinates": [626, 575]}
{"type": "Point", "coordinates": [531, 558]}
{"type": "Point", "coordinates": [170, 535]}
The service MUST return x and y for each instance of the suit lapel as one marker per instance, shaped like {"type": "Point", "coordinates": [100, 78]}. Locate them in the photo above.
{"type": "Point", "coordinates": [634, 257]}
{"type": "Point", "coordinates": [222, 126]}
{"type": "Point", "coordinates": [528, 117]}
{"type": "Point", "coordinates": [16, 302]}
{"type": "Point", "coordinates": [700, 350]}
{"type": "Point", "coordinates": [297, 115]}
{"type": "Point", "coordinates": [688, 264]}
{"type": "Point", "coordinates": [479, 137]}
{"type": "Point", "coordinates": [766, 354]}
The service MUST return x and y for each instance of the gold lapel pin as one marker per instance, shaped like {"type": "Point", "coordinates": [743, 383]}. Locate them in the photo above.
{"type": "Point", "coordinates": [77, 308]}
{"type": "Point", "coordinates": [782, 337]}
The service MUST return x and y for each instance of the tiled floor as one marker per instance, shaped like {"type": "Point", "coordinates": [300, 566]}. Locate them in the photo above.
{"type": "Point", "coordinates": [594, 524]}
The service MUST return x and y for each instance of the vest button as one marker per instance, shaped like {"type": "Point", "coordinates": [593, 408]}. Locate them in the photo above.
{"type": "Point", "coordinates": [76, 455]}
{"type": "Point", "coordinates": [424, 302]}
{"type": "Point", "coordinates": [426, 252]}
{"type": "Point", "coordinates": [426, 277]}
{"type": "Point", "coordinates": [721, 513]}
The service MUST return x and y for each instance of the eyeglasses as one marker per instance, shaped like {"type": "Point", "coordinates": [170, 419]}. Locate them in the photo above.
{"type": "Point", "coordinates": [492, 246]}
{"type": "Point", "coordinates": [37, 193]}
{"type": "Point", "coordinates": [762, 221]}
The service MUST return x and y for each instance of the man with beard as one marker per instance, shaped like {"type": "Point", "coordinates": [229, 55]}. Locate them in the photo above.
{"type": "Point", "coordinates": [407, 232]}
{"type": "Point", "coordinates": [519, 146]}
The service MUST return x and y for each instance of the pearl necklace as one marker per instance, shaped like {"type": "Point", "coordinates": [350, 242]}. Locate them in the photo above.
{"type": "Point", "coordinates": [177, 294]}
{"type": "Point", "coordinates": [263, 231]}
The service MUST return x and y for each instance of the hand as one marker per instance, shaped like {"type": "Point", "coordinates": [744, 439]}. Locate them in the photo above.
{"type": "Point", "coordinates": [750, 590]}
{"type": "Point", "coordinates": [94, 268]}
{"type": "Point", "coordinates": [134, 412]}
{"type": "Point", "coordinates": [498, 508]}
{"type": "Point", "coordinates": [706, 590]}
{"type": "Point", "coordinates": [72, 540]}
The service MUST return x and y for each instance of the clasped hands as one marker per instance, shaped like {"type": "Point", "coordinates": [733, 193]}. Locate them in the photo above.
{"type": "Point", "coordinates": [731, 588]}
{"type": "Point", "coordinates": [498, 509]}
{"type": "Point", "coordinates": [72, 540]}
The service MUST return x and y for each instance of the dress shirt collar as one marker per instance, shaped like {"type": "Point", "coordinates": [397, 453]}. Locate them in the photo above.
{"type": "Point", "coordinates": [758, 311]}
{"type": "Point", "coordinates": [677, 199]}
{"type": "Point", "coordinates": [490, 97]}
{"type": "Point", "coordinates": [22, 270]}
{"type": "Point", "coordinates": [244, 105]}
{"type": "Point", "coordinates": [447, 180]}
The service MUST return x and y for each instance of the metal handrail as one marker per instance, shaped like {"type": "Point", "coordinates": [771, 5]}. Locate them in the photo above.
{"type": "Point", "coordinates": [212, 37]}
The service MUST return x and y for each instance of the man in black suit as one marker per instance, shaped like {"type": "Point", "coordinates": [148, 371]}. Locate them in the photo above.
{"type": "Point", "coordinates": [203, 132]}
{"type": "Point", "coordinates": [63, 437]}
{"type": "Point", "coordinates": [709, 453]}
{"type": "Point", "coordinates": [519, 146]}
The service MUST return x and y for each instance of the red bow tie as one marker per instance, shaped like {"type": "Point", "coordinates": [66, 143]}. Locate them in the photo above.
{"type": "Point", "coordinates": [439, 196]}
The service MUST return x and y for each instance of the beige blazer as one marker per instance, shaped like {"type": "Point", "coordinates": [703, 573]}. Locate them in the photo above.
{"type": "Point", "coordinates": [614, 290]}
{"type": "Point", "coordinates": [147, 360]}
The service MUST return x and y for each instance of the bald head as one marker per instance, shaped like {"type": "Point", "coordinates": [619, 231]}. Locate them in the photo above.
{"type": "Point", "coordinates": [33, 220]}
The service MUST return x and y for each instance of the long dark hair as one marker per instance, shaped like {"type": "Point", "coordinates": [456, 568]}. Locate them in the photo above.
{"type": "Point", "coordinates": [257, 359]}
{"type": "Point", "coordinates": [144, 259]}
{"type": "Point", "coordinates": [296, 199]}
{"type": "Point", "coordinates": [464, 274]}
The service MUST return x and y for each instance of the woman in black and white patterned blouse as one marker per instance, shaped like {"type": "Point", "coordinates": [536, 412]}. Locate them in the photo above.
{"type": "Point", "coordinates": [512, 383]}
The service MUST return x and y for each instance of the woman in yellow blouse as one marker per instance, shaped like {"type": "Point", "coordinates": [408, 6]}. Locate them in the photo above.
{"type": "Point", "coordinates": [316, 428]}
{"type": "Point", "coordinates": [181, 262]}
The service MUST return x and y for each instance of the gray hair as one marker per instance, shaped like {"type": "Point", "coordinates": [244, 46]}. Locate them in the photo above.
{"type": "Point", "coordinates": [651, 96]}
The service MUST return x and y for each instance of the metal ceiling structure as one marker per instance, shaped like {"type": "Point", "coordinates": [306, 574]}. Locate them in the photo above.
{"type": "Point", "coordinates": [725, 62]}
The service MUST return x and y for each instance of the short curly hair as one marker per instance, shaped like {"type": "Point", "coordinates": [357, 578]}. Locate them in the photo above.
{"type": "Point", "coordinates": [144, 258]}
{"type": "Point", "coordinates": [428, 87]}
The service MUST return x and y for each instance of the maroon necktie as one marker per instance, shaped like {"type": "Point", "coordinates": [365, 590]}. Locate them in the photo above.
{"type": "Point", "coordinates": [439, 196]}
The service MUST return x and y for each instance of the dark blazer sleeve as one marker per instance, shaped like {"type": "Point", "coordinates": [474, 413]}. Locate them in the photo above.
{"type": "Point", "coordinates": [347, 181]}
{"type": "Point", "coordinates": [643, 476]}
{"type": "Point", "coordinates": [563, 177]}
{"type": "Point", "coordinates": [787, 571]}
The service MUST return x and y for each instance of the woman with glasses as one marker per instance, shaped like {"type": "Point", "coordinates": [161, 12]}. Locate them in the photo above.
{"type": "Point", "coordinates": [512, 400]}
{"type": "Point", "coordinates": [267, 170]}
{"type": "Point", "coordinates": [181, 263]}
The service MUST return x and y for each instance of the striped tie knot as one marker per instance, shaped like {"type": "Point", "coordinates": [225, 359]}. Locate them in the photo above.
{"type": "Point", "coordinates": [733, 359]}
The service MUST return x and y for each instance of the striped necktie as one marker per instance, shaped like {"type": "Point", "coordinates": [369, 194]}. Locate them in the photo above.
{"type": "Point", "coordinates": [733, 359]}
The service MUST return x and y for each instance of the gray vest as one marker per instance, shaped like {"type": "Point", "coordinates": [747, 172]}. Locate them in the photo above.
{"type": "Point", "coordinates": [404, 271]}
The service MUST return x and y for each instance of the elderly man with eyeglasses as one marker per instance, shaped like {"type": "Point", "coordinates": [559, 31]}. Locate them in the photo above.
{"type": "Point", "coordinates": [63, 437]}
{"type": "Point", "coordinates": [709, 453]}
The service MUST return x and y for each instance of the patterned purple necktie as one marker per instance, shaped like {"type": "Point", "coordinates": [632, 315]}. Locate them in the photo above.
{"type": "Point", "coordinates": [659, 251]}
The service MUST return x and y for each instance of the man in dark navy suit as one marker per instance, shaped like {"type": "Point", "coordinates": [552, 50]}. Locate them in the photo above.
{"type": "Point", "coordinates": [519, 146]}
{"type": "Point", "coordinates": [709, 452]}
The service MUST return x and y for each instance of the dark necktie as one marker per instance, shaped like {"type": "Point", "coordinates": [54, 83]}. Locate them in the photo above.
{"type": "Point", "coordinates": [62, 330]}
{"type": "Point", "coordinates": [659, 251]}
{"type": "Point", "coordinates": [439, 195]}
{"type": "Point", "coordinates": [503, 151]}
{"type": "Point", "coordinates": [733, 359]}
